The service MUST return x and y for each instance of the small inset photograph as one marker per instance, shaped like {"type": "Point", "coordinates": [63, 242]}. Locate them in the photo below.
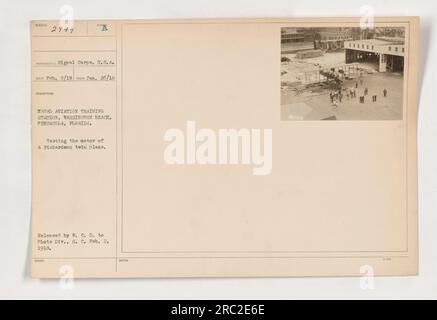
{"type": "Point", "coordinates": [342, 73]}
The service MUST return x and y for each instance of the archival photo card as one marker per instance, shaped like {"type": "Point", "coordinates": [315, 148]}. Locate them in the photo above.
{"type": "Point", "coordinates": [170, 148]}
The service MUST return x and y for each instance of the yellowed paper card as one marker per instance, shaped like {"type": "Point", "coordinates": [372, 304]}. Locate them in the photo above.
{"type": "Point", "coordinates": [225, 148]}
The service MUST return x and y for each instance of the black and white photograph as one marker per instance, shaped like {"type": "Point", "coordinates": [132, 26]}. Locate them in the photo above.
{"type": "Point", "coordinates": [342, 73]}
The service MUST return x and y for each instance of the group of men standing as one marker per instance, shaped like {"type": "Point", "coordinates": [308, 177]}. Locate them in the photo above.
{"type": "Point", "coordinates": [336, 97]}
